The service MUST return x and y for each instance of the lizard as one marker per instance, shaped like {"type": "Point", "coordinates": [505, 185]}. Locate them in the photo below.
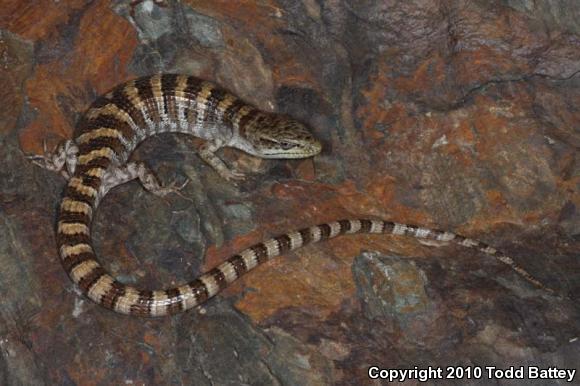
{"type": "Point", "coordinates": [97, 159]}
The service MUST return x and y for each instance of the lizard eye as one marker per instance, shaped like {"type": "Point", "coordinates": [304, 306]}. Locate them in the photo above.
{"type": "Point", "coordinates": [287, 145]}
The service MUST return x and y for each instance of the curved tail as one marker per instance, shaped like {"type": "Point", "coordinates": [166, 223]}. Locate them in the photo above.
{"type": "Point", "coordinates": [80, 262]}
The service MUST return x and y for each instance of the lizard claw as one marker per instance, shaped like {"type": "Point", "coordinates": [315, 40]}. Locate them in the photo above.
{"type": "Point", "coordinates": [172, 187]}
{"type": "Point", "coordinates": [51, 161]}
{"type": "Point", "coordinates": [164, 191]}
{"type": "Point", "coordinates": [233, 175]}
{"type": "Point", "coordinates": [62, 160]}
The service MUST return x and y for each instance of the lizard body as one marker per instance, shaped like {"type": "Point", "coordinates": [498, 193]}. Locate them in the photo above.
{"type": "Point", "coordinates": [96, 160]}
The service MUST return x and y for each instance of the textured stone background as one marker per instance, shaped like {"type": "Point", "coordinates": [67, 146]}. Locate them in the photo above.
{"type": "Point", "coordinates": [461, 115]}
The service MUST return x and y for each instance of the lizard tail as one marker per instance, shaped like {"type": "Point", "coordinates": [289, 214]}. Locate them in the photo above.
{"type": "Point", "coordinates": [80, 262]}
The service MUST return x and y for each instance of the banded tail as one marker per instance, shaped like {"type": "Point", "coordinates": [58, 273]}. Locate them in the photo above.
{"type": "Point", "coordinates": [97, 160]}
{"type": "Point", "coordinates": [80, 262]}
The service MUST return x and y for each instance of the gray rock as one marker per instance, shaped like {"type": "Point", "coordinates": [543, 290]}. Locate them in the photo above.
{"type": "Point", "coordinates": [389, 287]}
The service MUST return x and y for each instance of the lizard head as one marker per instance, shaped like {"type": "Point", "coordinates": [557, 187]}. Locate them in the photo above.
{"type": "Point", "coordinates": [276, 136]}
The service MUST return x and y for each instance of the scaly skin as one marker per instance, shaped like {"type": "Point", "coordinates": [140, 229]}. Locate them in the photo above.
{"type": "Point", "coordinates": [95, 161]}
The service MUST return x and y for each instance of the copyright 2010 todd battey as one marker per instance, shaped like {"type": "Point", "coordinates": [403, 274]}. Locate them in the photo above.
{"type": "Point", "coordinates": [458, 373]}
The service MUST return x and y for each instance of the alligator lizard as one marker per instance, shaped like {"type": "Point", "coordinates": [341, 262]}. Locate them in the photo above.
{"type": "Point", "coordinates": [96, 161]}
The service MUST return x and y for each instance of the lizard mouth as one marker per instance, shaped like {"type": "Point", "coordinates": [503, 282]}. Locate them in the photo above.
{"type": "Point", "coordinates": [297, 152]}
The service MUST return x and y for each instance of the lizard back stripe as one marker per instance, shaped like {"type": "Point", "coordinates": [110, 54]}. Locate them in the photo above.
{"type": "Point", "coordinates": [192, 90]}
{"type": "Point", "coordinates": [365, 226]}
{"type": "Point", "coordinates": [71, 262]}
{"type": "Point", "coordinates": [232, 110]}
{"type": "Point", "coordinates": [115, 291]}
{"type": "Point", "coordinates": [86, 282]}
{"type": "Point", "coordinates": [109, 121]}
{"type": "Point", "coordinates": [345, 226]}
{"type": "Point", "coordinates": [199, 291]}
{"type": "Point", "coordinates": [193, 87]}
{"type": "Point", "coordinates": [214, 114]}
{"type": "Point", "coordinates": [238, 262]}
{"type": "Point", "coordinates": [175, 301]}
{"type": "Point", "coordinates": [99, 162]}
{"type": "Point", "coordinates": [388, 226]}
{"type": "Point", "coordinates": [126, 99]}
{"type": "Point", "coordinates": [73, 193]}
{"type": "Point", "coordinates": [306, 236]}
{"type": "Point", "coordinates": [261, 252]}
{"type": "Point", "coordinates": [98, 142]}
{"type": "Point", "coordinates": [145, 92]}
{"type": "Point", "coordinates": [284, 243]}
{"type": "Point", "coordinates": [218, 277]}
{"type": "Point", "coordinates": [168, 84]}
{"type": "Point", "coordinates": [142, 305]}
{"type": "Point", "coordinates": [73, 239]}
{"type": "Point", "coordinates": [74, 217]}
{"type": "Point", "coordinates": [324, 231]}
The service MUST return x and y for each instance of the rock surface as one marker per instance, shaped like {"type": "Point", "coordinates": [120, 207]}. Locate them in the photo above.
{"type": "Point", "coordinates": [459, 115]}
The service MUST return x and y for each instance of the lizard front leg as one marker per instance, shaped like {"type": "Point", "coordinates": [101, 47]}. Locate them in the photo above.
{"type": "Point", "coordinates": [207, 153]}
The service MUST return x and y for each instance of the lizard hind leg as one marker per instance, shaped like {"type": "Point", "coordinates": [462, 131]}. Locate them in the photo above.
{"type": "Point", "coordinates": [62, 160]}
{"type": "Point", "coordinates": [137, 170]}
